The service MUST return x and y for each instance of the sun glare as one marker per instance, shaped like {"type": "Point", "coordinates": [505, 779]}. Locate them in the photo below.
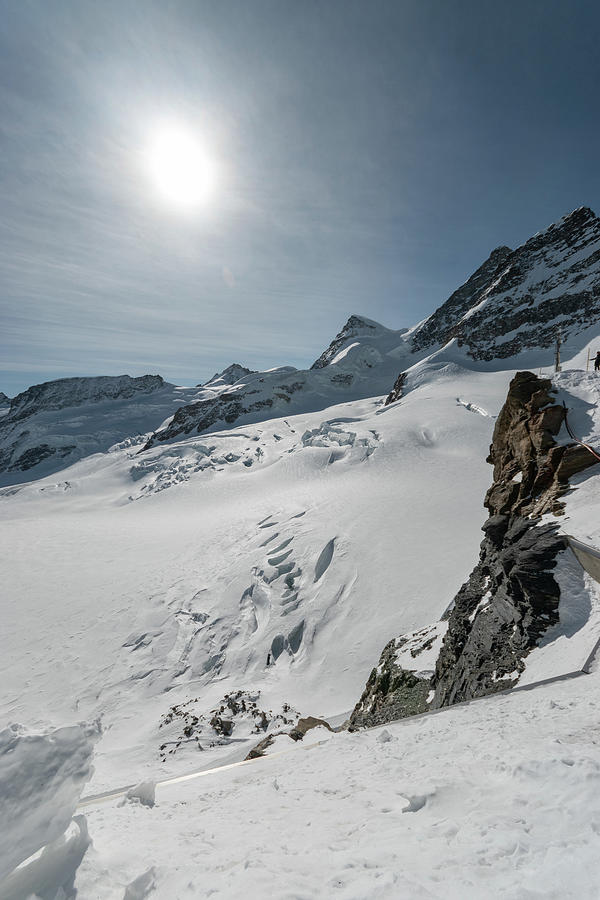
{"type": "Point", "coordinates": [180, 168]}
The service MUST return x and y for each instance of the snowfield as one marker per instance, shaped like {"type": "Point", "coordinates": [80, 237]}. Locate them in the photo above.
{"type": "Point", "coordinates": [151, 597]}
{"type": "Point", "coordinates": [149, 591]}
{"type": "Point", "coordinates": [499, 798]}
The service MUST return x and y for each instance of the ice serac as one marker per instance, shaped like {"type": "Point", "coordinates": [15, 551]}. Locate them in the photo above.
{"type": "Point", "coordinates": [41, 778]}
{"type": "Point", "coordinates": [519, 300]}
{"type": "Point", "coordinates": [511, 597]}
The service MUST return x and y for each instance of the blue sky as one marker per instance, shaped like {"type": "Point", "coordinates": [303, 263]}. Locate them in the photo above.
{"type": "Point", "coordinates": [369, 154]}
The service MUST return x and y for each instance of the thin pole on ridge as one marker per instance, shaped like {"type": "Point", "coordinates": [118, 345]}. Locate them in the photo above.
{"type": "Point", "coordinates": [574, 436]}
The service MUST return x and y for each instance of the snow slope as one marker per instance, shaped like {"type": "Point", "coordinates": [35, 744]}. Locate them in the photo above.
{"type": "Point", "coordinates": [158, 578]}
{"type": "Point", "coordinates": [362, 361]}
{"type": "Point", "coordinates": [140, 582]}
{"type": "Point", "coordinates": [497, 799]}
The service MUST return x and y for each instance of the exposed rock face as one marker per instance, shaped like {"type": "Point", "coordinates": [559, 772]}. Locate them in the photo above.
{"type": "Point", "coordinates": [438, 327]}
{"type": "Point", "coordinates": [261, 748]}
{"type": "Point", "coordinates": [390, 693]}
{"type": "Point", "coordinates": [397, 390]}
{"type": "Point", "coordinates": [298, 733]}
{"type": "Point", "coordinates": [511, 598]}
{"type": "Point", "coordinates": [530, 470]}
{"type": "Point", "coordinates": [4, 400]}
{"type": "Point", "coordinates": [306, 724]}
{"type": "Point", "coordinates": [518, 299]}
{"type": "Point", "coordinates": [31, 457]}
{"type": "Point", "coordinates": [238, 713]}
{"type": "Point", "coordinates": [501, 612]}
{"type": "Point", "coordinates": [401, 683]}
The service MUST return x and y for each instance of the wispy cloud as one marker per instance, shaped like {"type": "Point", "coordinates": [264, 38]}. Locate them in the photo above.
{"type": "Point", "coordinates": [362, 167]}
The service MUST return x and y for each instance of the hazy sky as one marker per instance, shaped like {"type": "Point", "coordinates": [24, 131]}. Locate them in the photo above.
{"type": "Point", "coordinates": [368, 156]}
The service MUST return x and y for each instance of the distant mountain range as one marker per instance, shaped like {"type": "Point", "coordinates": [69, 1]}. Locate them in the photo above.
{"type": "Point", "coordinates": [512, 307]}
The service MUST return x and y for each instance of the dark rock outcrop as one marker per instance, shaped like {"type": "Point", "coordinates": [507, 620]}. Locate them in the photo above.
{"type": "Point", "coordinates": [306, 724]}
{"type": "Point", "coordinates": [397, 390]}
{"type": "Point", "coordinates": [439, 327]}
{"type": "Point", "coordinates": [225, 409]}
{"type": "Point", "coordinates": [297, 733]}
{"type": "Point", "coordinates": [500, 613]}
{"type": "Point", "coordinates": [261, 748]}
{"type": "Point", "coordinates": [32, 457]}
{"type": "Point", "coordinates": [391, 693]}
{"type": "Point", "coordinates": [531, 471]}
{"type": "Point", "coordinates": [511, 597]}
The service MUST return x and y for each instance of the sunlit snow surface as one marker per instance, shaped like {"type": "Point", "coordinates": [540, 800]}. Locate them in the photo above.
{"type": "Point", "coordinates": [137, 582]}
{"type": "Point", "coordinates": [497, 799]}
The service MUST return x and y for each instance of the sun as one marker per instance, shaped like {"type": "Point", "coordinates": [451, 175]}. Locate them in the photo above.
{"type": "Point", "coordinates": [180, 168]}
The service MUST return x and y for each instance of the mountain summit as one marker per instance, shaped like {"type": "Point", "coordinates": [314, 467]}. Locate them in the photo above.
{"type": "Point", "coordinates": [518, 300]}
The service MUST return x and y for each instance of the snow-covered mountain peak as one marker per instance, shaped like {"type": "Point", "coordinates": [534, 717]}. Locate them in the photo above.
{"type": "Point", "coordinates": [356, 326]}
{"type": "Point", "coordinates": [229, 376]}
{"type": "Point", "coordinates": [519, 300]}
{"type": "Point", "coordinates": [362, 361]}
{"type": "Point", "coordinates": [578, 217]}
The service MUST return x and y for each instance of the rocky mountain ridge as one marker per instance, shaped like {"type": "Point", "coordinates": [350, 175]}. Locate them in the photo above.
{"type": "Point", "coordinates": [66, 392]}
{"type": "Point", "coordinates": [52, 425]}
{"type": "Point", "coordinates": [522, 298]}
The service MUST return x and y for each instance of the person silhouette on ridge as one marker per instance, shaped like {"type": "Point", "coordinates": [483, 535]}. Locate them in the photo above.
{"type": "Point", "coordinates": [597, 362]}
